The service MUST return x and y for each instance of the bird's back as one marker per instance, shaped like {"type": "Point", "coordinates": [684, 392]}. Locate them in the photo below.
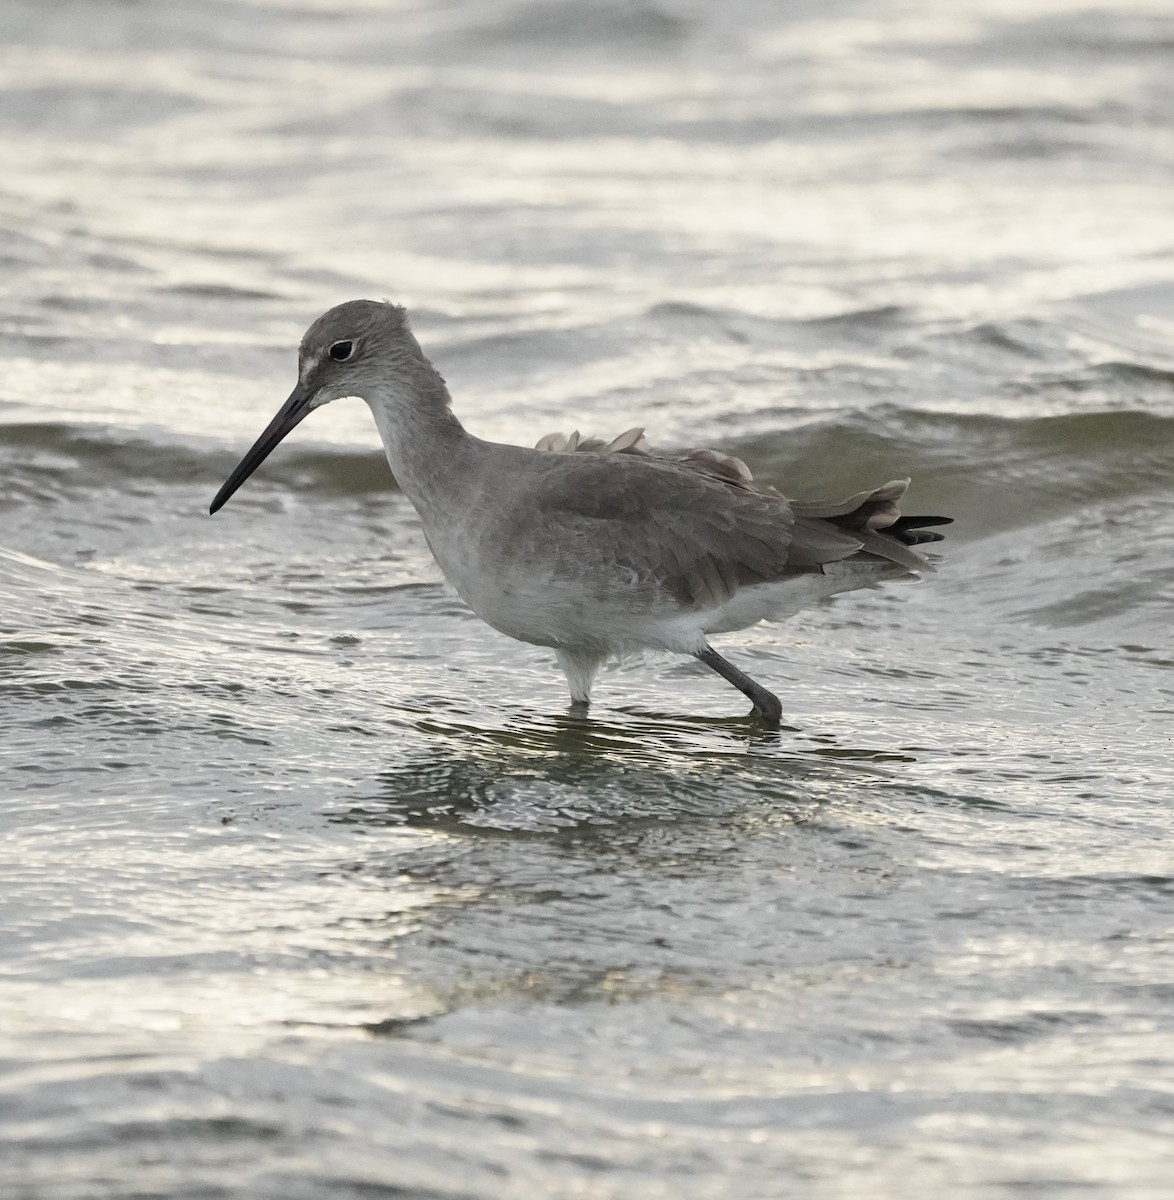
{"type": "Point", "coordinates": [620, 549]}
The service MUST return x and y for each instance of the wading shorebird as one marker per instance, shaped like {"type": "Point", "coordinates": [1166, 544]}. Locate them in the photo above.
{"type": "Point", "coordinates": [593, 549]}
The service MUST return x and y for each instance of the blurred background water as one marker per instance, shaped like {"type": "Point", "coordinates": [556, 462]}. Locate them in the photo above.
{"type": "Point", "coordinates": [309, 886]}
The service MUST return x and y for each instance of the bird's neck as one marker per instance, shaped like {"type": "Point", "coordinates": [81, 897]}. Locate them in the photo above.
{"type": "Point", "coordinates": [427, 448]}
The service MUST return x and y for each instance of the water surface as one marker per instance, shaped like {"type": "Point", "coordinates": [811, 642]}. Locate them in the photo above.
{"type": "Point", "coordinates": [311, 886]}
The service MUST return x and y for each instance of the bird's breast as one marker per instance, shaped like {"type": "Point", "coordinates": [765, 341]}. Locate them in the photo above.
{"type": "Point", "coordinates": [539, 594]}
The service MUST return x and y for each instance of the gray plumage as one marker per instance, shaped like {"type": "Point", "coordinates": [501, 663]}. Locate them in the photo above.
{"type": "Point", "coordinates": [591, 547]}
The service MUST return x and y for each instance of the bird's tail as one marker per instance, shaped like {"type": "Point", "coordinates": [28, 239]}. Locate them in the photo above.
{"type": "Point", "coordinates": [913, 532]}
{"type": "Point", "coordinates": [875, 521]}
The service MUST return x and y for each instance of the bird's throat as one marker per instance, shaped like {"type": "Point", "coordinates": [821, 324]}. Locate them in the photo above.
{"type": "Point", "coordinates": [427, 448]}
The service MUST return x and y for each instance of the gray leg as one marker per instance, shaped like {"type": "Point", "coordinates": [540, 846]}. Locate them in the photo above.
{"type": "Point", "coordinates": [580, 670]}
{"type": "Point", "coordinates": [766, 704]}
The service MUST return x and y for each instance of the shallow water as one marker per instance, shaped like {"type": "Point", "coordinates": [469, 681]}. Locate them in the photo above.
{"type": "Point", "coordinates": [310, 885]}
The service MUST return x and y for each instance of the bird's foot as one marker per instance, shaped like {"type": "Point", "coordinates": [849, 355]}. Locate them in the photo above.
{"type": "Point", "coordinates": [766, 704]}
{"type": "Point", "coordinates": [768, 710]}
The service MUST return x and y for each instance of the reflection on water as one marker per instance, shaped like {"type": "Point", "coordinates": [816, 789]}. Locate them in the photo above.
{"type": "Point", "coordinates": [535, 773]}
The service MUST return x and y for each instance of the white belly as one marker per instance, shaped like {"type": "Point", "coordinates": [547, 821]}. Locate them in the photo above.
{"type": "Point", "coordinates": [777, 601]}
{"type": "Point", "coordinates": [617, 615]}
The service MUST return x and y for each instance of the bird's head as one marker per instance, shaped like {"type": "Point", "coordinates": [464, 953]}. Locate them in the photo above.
{"type": "Point", "coordinates": [351, 350]}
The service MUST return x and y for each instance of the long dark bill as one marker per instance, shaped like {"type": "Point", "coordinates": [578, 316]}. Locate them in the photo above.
{"type": "Point", "coordinates": [292, 412]}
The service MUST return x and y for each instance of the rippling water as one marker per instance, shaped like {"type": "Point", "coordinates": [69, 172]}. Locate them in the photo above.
{"type": "Point", "coordinates": [310, 887]}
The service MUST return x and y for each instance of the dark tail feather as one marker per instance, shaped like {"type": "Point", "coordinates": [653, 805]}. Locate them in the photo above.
{"type": "Point", "coordinates": [911, 531]}
{"type": "Point", "coordinates": [871, 520]}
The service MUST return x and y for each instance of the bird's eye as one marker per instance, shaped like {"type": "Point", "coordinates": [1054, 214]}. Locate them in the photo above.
{"type": "Point", "coordinates": [341, 351]}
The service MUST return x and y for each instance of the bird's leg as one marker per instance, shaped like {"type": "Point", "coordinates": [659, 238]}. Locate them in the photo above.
{"type": "Point", "coordinates": [766, 704]}
{"type": "Point", "coordinates": [580, 670]}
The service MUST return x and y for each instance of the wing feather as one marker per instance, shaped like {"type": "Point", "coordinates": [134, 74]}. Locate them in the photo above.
{"type": "Point", "coordinates": [695, 526]}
